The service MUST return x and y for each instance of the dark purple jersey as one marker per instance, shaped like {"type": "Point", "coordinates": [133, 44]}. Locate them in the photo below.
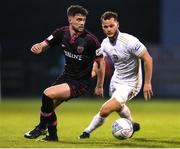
{"type": "Point", "coordinates": [79, 51]}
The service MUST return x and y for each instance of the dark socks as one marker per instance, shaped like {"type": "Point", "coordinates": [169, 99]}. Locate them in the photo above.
{"type": "Point", "coordinates": [47, 110]}
{"type": "Point", "coordinates": [48, 117]}
{"type": "Point", "coordinates": [52, 130]}
{"type": "Point", "coordinates": [47, 104]}
{"type": "Point", "coordinates": [52, 125]}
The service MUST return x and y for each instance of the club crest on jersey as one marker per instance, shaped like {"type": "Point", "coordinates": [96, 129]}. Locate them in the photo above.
{"type": "Point", "coordinates": [80, 49]}
{"type": "Point", "coordinates": [115, 58]}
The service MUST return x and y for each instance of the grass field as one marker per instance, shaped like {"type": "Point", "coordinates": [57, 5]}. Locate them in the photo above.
{"type": "Point", "coordinates": [160, 124]}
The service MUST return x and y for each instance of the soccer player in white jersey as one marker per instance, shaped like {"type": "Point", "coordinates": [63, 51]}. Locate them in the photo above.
{"type": "Point", "coordinates": [126, 53]}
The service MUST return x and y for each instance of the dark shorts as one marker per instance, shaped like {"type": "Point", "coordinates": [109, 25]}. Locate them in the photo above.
{"type": "Point", "coordinates": [77, 87]}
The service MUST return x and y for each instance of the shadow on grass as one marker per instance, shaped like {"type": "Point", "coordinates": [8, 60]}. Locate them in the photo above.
{"type": "Point", "coordinates": [137, 142]}
{"type": "Point", "coordinates": [175, 141]}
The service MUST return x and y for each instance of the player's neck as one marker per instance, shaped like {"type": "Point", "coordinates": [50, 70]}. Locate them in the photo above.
{"type": "Point", "coordinates": [73, 32]}
{"type": "Point", "coordinates": [113, 39]}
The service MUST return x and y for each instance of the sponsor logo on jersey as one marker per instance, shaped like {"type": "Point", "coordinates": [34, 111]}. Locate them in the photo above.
{"type": "Point", "coordinates": [80, 49]}
{"type": "Point", "coordinates": [72, 55]}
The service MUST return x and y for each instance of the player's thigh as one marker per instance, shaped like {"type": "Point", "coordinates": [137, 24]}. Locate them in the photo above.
{"type": "Point", "coordinates": [60, 91]}
{"type": "Point", "coordinates": [111, 105]}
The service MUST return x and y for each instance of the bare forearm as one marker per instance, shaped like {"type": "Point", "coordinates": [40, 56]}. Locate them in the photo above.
{"type": "Point", "coordinates": [148, 68]}
{"type": "Point", "coordinates": [100, 73]}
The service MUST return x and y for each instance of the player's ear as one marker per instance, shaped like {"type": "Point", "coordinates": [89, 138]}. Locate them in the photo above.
{"type": "Point", "coordinates": [102, 25]}
{"type": "Point", "coordinates": [69, 19]}
{"type": "Point", "coordinates": [118, 24]}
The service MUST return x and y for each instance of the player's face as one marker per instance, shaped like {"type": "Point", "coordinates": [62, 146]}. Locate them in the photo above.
{"type": "Point", "coordinates": [77, 22]}
{"type": "Point", "coordinates": [110, 27]}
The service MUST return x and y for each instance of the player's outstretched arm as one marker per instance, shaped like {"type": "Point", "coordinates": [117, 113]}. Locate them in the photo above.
{"type": "Point", "coordinates": [148, 68]}
{"type": "Point", "coordinates": [39, 47]}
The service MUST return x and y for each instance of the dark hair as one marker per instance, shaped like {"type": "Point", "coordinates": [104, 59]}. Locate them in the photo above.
{"type": "Point", "coordinates": [76, 9]}
{"type": "Point", "coordinates": [108, 15]}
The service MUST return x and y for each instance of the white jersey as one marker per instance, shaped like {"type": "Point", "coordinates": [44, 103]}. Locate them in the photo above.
{"type": "Point", "coordinates": [125, 53]}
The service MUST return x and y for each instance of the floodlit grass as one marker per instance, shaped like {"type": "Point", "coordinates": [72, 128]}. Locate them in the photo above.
{"type": "Point", "coordinates": [160, 124]}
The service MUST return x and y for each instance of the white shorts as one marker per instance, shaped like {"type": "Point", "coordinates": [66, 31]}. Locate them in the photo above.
{"type": "Point", "coordinates": [123, 93]}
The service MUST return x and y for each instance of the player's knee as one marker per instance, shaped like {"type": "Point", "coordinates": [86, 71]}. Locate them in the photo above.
{"type": "Point", "coordinates": [49, 93]}
{"type": "Point", "coordinates": [121, 106]}
{"type": "Point", "coordinates": [105, 111]}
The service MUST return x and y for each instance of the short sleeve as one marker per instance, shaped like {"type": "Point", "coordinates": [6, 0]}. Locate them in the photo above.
{"type": "Point", "coordinates": [55, 38]}
{"type": "Point", "coordinates": [96, 47]}
{"type": "Point", "coordinates": [136, 47]}
{"type": "Point", "coordinates": [103, 48]}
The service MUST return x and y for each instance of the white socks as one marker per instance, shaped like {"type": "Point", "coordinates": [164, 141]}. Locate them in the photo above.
{"type": "Point", "coordinates": [98, 120]}
{"type": "Point", "coordinates": [95, 123]}
{"type": "Point", "coordinates": [125, 113]}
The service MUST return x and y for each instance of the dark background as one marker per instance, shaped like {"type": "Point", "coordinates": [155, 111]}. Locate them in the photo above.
{"type": "Point", "coordinates": [23, 23]}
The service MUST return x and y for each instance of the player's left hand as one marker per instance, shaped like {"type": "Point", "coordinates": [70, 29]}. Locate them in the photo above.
{"type": "Point", "coordinates": [148, 93]}
{"type": "Point", "coordinates": [99, 91]}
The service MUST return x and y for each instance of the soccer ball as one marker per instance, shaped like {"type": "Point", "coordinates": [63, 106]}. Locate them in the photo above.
{"type": "Point", "coordinates": [122, 128]}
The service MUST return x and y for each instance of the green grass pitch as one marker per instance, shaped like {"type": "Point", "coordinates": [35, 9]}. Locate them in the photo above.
{"type": "Point", "coordinates": [160, 124]}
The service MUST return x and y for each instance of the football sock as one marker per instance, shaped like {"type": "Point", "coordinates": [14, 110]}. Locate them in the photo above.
{"type": "Point", "coordinates": [95, 123]}
{"type": "Point", "coordinates": [125, 113]}
{"type": "Point", "coordinates": [52, 125]}
{"type": "Point", "coordinates": [47, 104]}
{"type": "Point", "coordinates": [52, 129]}
{"type": "Point", "coordinates": [52, 119]}
{"type": "Point", "coordinates": [46, 111]}
{"type": "Point", "coordinates": [44, 120]}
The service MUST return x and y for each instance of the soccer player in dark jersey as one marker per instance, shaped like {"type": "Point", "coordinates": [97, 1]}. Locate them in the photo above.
{"type": "Point", "coordinates": [81, 50]}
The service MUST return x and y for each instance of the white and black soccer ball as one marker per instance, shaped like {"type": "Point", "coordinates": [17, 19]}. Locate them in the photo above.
{"type": "Point", "coordinates": [122, 128]}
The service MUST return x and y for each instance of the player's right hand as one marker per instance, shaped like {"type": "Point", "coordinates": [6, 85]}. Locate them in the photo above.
{"type": "Point", "coordinates": [148, 93]}
{"type": "Point", "coordinates": [37, 48]}
{"type": "Point", "coordinates": [99, 91]}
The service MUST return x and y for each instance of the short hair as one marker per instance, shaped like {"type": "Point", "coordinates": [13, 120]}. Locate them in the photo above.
{"type": "Point", "coordinates": [76, 9]}
{"type": "Point", "coordinates": [108, 15]}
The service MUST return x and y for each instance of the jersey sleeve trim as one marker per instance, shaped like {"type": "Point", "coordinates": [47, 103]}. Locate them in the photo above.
{"type": "Point", "coordinates": [98, 57]}
{"type": "Point", "coordinates": [47, 42]}
{"type": "Point", "coordinates": [142, 52]}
